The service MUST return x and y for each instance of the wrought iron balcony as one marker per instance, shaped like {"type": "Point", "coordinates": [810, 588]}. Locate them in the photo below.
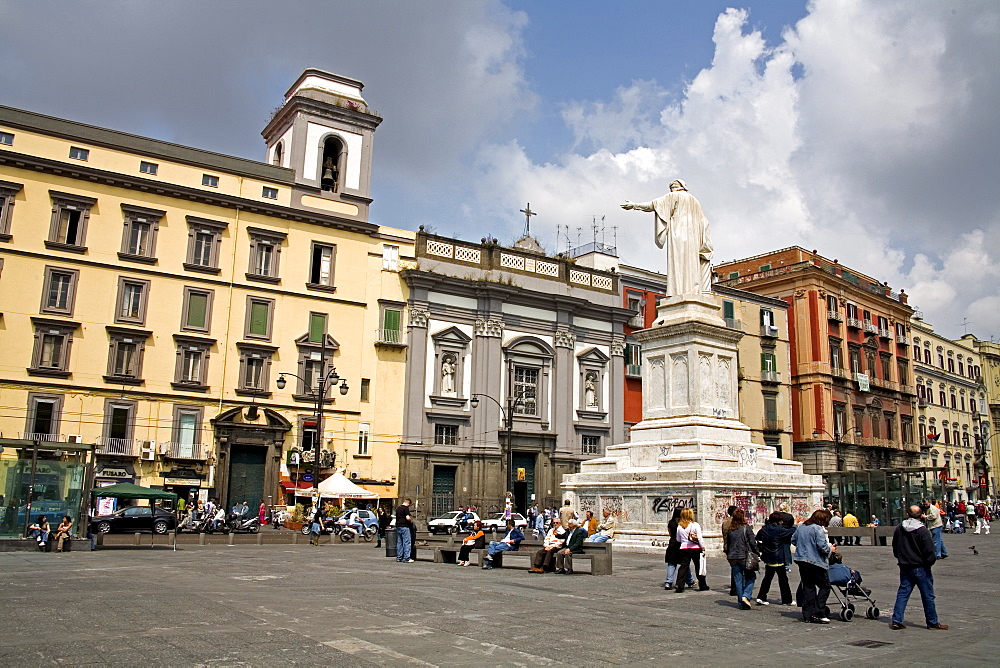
{"type": "Point", "coordinates": [122, 447]}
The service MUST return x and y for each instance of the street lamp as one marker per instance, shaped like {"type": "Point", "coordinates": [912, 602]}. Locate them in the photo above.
{"type": "Point", "coordinates": [513, 403]}
{"type": "Point", "coordinates": [836, 441]}
{"type": "Point", "coordinates": [983, 439]}
{"type": "Point", "coordinates": [326, 379]}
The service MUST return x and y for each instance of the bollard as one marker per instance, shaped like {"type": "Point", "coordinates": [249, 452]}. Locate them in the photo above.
{"type": "Point", "coordinates": [260, 538]}
{"type": "Point", "coordinates": [201, 539]}
{"type": "Point", "coordinates": [138, 539]}
{"type": "Point", "coordinates": [390, 542]}
{"type": "Point", "coordinates": [231, 537]}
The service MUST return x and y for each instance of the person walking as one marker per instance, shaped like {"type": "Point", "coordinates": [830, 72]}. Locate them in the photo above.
{"type": "Point", "coordinates": [812, 553]}
{"type": "Point", "coordinates": [725, 532]}
{"type": "Point", "coordinates": [740, 544]}
{"type": "Point", "coordinates": [316, 527]}
{"type": "Point", "coordinates": [566, 513]}
{"type": "Point", "coordinates": [935, 524]}
{"type": "Point", "coordinates": [672, 556]}
{"type": "Point", "coordinates": [775, 541]}
{"type": "Point", "coordinates": [384, 520]}
{"type": "Point", "coordinates": [982, 518]}
{"type": "Point", "coordinates": [689, 535]}
{"type": "Point", "coordinates": [914, 549]}
{"type": "Point", "coordinates": [404, 535]}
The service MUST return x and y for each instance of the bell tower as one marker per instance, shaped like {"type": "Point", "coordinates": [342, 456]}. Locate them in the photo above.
{"type": "Point", "coordinates": [324, 131]}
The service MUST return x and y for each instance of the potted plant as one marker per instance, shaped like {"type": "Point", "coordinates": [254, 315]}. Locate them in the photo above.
{"type": "Point", "coordinates": [298, 518]}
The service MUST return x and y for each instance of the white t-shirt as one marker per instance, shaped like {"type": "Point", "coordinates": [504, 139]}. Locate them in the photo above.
{"type": "Point", "coordinates": [684, 536]}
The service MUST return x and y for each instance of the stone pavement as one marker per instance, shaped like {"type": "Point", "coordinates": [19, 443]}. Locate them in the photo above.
{"type": "Point", "coordinates": [348, 605]}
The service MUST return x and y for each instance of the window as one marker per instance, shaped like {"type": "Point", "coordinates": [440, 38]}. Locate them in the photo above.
{"type": "Point", "coordinates": [279, 150]}
{"type": "Point", "coordinates": [44, 411]}
{"type": "Point", "coordinates": [839, 420]}
{"type": "Point", "coordinates": [210, 181]}
{"type": "Point", "coordinates": [390, 257]}
{"type": "Point", "coordinates": [265, 249]}
{"type": "Point", "coordinates": [391, 325]}
{"type": "Point", "coordinates": [365, 389]}
{"type": "Point", "coordinates": [317, 327]}
{"type": "Point", "coordinates": [951, 364]}
{"type": "Point", "coordinates": [191, 370]}
{"type": "Point", "coordinates": [768, 363]}
{"type": "Point", "coordinates": [6, 138]}
{"type": "Point", "coordinates": [8, 192]}
{"type": "Point", "coordinates": [943, 398]}
{"type": "Point", "coordinates": [187, 431]}
{"type": "Point", "coordinates": [309, 439]}
{"type": "Point", "coordinates": [954, 403]}
{"type": "Point", "coordinates": [255, 369]}
{"type": "Point", "coordinates": [53, 339]}
{"type": "Point", "coordinates": [590, 444]}
{"type": "Point", "coordinates": [139, 234]}
{"type": "Point", "coordinates": [886, 361]}
{"type": "Point", "coordinates": [445, 434]}
{"type": "Point", "coordinates": [119, 425]}
{"type": "Point", "coordinates": [633, 360]}
{"type": "Point", "coordinates": [906, 429]}
{"type": "Point", "coordinates": [125, 355]}
{"type": "Point", "coordinates": [132, 297]}
{"type": "Point", "coordinates": [310, 359]}
{"type": "Point", "coordinates": [835, 355]}
{"type": "Point", "coordinates": [766, 317]}
{"type": "Point", "coordinates": [852, 312]}
{"type": "Point", "coordinates": [927, 355]}
{"type": "Point", "coordinates": [59, 290]}
{"type": "Point", "coordinates": [68, 226]}
{"type": "Point", "coordinates": [961, 368]}
{"type": "Point", "coordinates": [903, 372]}
{"type": "Point", "coordinates": [321, 266]}
{"type": "Point", "coordinates": [197, 312]}
{"type": "Point", "coordinates": [78, 153]}
{"type": "Point", "coordinates": [855, 356]}
{"type": "Point", "coordinates": [765, 267]}
{"type": "Point", "coordinates": [890, 427]}
{"type": "Point", "coordinates": [525, 385]}
{"type": "Point", "coordinates": [269, 193]}
{"type": "Point", "coordinates": [635, 304]}
{"type": "Point", "coordinates": [148, 167]}
{"type": "Point", "coordinates": [363, 432]}
{"type": "Point", "coordinates": [260, 312]}
{"type": "Point", "coordinates": [734, 274]}
{"type": "Point", "coordinates": [204, 241]}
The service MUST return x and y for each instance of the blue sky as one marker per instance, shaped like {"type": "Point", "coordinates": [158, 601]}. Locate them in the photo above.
{"type": "Point", "coordinates": [864, 129]}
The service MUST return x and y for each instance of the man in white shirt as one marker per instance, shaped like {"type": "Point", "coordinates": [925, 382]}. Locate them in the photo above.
{"type": "Point", "coordinates": [541, 561]}
{"type": "Point", "coordinates": [606, 529]}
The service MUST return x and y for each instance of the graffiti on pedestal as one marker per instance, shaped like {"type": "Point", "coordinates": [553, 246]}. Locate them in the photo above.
{"type": "Point", "coordinates": [746, 455]}
{"type": "Point", "coordinates": [666, 504]}
{"type": "Point", "coordinates": [756, 505]}
{"type": "Point", "coordinates": [615, 505]}
{"type": "Point", "coordinates": [587, 503]}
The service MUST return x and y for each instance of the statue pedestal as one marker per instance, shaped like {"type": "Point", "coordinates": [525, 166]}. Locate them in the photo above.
{"type": "Point", "coordinates": [691, 449]}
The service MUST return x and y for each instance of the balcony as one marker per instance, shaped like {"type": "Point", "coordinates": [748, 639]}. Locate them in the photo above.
{"type": "Point", "coordinates": [854, 323]}
{"type": "Point", "coordinates": [35, 436]}
{"type": "Point", "coordinates": [391, 338]}
{"type": "Point", "coordinates": [770, 376]}
{"type": "Point", "coordinates": [870, 328]}
{"type": "Point", "coordinates": [841, 373]}
{"type": "Point", "coordinates": [769, 331]}
{"type": "Point", "coordinates": [835, 316]}
{"type": "Point", "coordinates": [119, 447]}
{"type": "Point", "coordinates": [633, 370]}
{"type": "Point", "coordinates": [885, 333]}
{"type": "Point", "coordinates": [921, 403]}
{"type": "Point", "coordinates": [774, 425]}
{"type": "Point", "coordinates": [872, 442]}
{"type": "Point", "coordinates": [902, 340]}
{"type": "Point", "coordinates": [733, 323]}
{"type": "Point", "coordinates": [175, 450]}
{"type": "Point", "coordinates": [637, 321]}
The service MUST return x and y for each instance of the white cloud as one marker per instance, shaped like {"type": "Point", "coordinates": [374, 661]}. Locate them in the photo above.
{"type": "Point", "coordinates": [878, 151]}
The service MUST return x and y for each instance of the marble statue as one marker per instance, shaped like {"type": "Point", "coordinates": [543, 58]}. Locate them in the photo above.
{"type": "Point", "coordinates": [590, 390]}
{"type": "Point", "coordinates": [682, 226]}
{"type": "Point", "coordinates": [448, 374]}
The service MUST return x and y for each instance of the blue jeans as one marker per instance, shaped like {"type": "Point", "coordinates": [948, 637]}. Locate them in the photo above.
{"type": "Point", "coordinates": [922, 579]}
{"type": "Point", "coordinates": [939, 548]}
{"type": "Point", "coordinates": [744, 581]}
{"type": "Point", "coordinates": [403, 543]}
{"type": "Point", "coordinates": [598, 538]}
{"type": "Point", "coordinates": [40, 536]}
{"type": "Point", "coordinates": [498, 546]}
{"type": "Point", "coordinates": [672, 572]}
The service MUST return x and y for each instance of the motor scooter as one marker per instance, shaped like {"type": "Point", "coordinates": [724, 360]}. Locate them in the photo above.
{"type": "Point", "coordinates": [244, 525]}
{"type": "Point", "coordinates": [349, 533]}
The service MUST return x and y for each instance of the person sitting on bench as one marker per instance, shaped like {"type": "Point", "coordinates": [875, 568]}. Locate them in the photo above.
{"type": "Point", "coordinates": [554, 539]}
{"type": "Point", "coordinates": [63, 532]}
{"type": "Point", "coordinates": [572, 545]}
{"type": "Point", "coordinates": [475, 541]}
{"type": "Point", "coordinates": [606, 529]}
{"type": "Point", "coordinates": [508, 543]}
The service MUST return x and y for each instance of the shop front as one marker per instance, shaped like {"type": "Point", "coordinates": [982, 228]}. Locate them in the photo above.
{"type": "Point", "coordinates": [107, 474]}
{"type": "Point", "coordinates": [884, 493]}
{"type": "Point", "coordinates": [186, 483]}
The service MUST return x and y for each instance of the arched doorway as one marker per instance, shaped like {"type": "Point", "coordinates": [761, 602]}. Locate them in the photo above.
{"type": "Point", "coordinates": [249, 444]}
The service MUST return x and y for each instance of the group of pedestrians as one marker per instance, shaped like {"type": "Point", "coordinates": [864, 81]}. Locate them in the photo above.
{"type": "Point", "coordinates": [42, 532]}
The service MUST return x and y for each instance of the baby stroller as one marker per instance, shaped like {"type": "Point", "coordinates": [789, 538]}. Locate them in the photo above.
{"type": "Point", "coordinates": [958, 525]}
{"type": "Point", "coordinates": [845, 584]}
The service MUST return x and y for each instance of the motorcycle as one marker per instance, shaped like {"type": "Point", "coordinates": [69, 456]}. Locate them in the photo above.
{"type": "Point", "coordinates": [244, 524]}
{"type": "Point", "coordinates": [329, 526]}
{"type": "Point", "coordinates": [208, 526]}
{"type": "Point", "coordinates": [349, 533]}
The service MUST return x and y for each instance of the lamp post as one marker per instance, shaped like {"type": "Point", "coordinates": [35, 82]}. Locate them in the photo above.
{"type": "Point", "coordinates": [983, 439]}
{"type": "Point", "coordinates": [836, 441]}
{"type": "Point", "coordinates": [325, 379]}
{"type": "Point", "coordinates": [508, 421]}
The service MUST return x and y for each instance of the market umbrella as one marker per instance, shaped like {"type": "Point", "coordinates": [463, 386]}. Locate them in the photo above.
{"type": "Point", "coordinates": [127, 490]}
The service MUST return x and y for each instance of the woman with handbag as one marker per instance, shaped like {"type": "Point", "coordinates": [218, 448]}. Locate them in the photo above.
{"type": "Point", "coordinates": [692, 547]}
{"type": "Point", "coordinates": [812, 554]}
{"type": "Point", "coordinates": [744, 557]}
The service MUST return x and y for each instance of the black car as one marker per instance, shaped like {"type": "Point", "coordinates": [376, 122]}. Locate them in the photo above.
{"type": "Point", "coordinates": [134, 518]}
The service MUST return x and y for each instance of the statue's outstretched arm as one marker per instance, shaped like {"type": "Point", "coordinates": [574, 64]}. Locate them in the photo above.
{"type": "Point", "coordinates": [639, 206]}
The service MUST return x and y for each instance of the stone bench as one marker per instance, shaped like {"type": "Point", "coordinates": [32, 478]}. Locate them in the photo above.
{"type": "Point", "coordinates": [598, 554]}
{"type": "Point", "coordinates": [854, 532]}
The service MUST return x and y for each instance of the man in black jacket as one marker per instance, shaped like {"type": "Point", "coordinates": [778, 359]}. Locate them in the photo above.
{"type": "Point", "coordinates": [914, 549]}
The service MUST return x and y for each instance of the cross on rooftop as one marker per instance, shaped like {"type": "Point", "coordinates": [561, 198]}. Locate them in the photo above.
{"type": "Point", "coordinates": [528, 213]}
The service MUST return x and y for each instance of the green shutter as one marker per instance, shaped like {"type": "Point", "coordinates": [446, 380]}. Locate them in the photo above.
{"type": "Point", "coordinates": [728, 310]}
{"type": "Point", "coordinates": [317, 327]}
{"type": "Point", "coordinates": [258, 318]}
{"type": "Point", "coordinates": [763, 361]}
{"type": "Point", "coordinates": [390, 320]}
{"type": "Point", "coordinates": [197, 310]}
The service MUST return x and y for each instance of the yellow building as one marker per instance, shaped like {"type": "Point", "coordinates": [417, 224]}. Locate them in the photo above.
{"type": "Point", "coordinates": [153, 293]}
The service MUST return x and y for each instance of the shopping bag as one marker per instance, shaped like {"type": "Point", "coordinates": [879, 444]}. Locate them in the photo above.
{"type": "Point", "coordinates": [703, 565]}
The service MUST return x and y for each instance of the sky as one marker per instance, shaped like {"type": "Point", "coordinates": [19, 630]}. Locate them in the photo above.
{"type": "Point", "coordinates": [866, 130]}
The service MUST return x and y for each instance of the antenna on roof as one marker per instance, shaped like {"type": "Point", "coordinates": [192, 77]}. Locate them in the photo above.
{"type": "Point", "coordinates": [965, 324]}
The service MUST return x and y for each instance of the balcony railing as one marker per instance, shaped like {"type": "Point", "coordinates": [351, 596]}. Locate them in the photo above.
{"type": "Point", "coordinates": [770, 376]}
{"type": "Point", "coordinates": [841, 373]}
{"type": "Point", "coordinates": [633, 370]}
{"type": "Point", "coordinates": [885, 333]}
{"type": "Point", "coordinates": [176, 450]}
{"type": "Point", "coordinates": [774, 425]}
{"type": "Point", "coordinates": [872, 442]}
{"type": "Point", "coordinates": [902, 340]}
{"type": "Point", "coordinates": [123, 447]}
{"type": "Point", "coordinates": [390, 337]}
{"type": "Point", "coordinates": [834, 315]}
{"type": "Point", "coordinates": [733, 323]}
{"type": "Point", "coordinates": [854, 323]}
{"type": "Point", "coordinates": [870, 328]}
{"type": "Point", "coordinates": [36, 436]}
{"type": "Point", "coordinates": [768, 330]}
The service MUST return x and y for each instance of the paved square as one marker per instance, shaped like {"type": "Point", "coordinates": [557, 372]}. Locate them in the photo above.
{"type": "Point", "coordinates": [348, 605]}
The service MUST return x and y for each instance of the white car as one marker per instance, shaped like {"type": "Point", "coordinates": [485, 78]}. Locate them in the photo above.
{"type": "Point", "coordinates": [497, 523]}
{"type": "Point", "coordinates": [448, 523]}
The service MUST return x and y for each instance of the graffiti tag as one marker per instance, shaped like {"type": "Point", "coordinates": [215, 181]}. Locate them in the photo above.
{"type": "Point", "coordinates": [666, 504]}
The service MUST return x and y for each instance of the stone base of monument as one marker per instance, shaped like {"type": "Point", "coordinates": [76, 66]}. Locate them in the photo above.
{"type": "Point", "coordinates": [691, 449]}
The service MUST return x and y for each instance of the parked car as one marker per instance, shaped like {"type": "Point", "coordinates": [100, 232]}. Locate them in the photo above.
{"type": "Point", "coordinates": [448, 523]}
{"type": "Point", "coordinates": [134, 518]}
{"type": "Point", "coordinates": [497, 523]}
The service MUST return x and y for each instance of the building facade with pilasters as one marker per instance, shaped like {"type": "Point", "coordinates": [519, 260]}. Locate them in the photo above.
{"type": "Point", "coordinates": [497, 333]}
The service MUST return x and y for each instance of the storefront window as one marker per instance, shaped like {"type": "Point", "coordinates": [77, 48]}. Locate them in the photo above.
{"type": "Point", "coordinates": [57, 490]}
